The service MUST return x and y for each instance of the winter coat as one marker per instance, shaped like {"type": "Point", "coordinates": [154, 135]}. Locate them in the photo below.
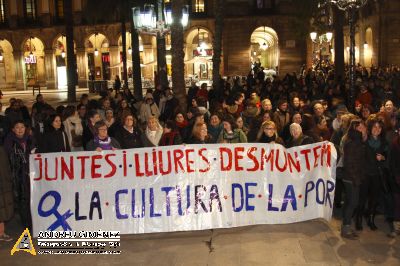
{"type": "Point", "coordinates": [93, 144]}
{"type": "Point", "coordinates": [394, 157]}
{"type": "Point", "coordinates": [302, 140]}
{"type": "Point", "coordinates": [172, 138]}
{"type": "Point", "coordinates": [354, 155]}
{"type": "Point", "coordinates": [375, 167]}
{"type": "Point", "coordinates": [237, 136]}
{"type": "Point", "coordinates": [4, 128]}
{"type": "Point", "coordinates": [55, 141]}
{"type": "Point", "coordinates": [74, 130]}
{"type": "Point", "coordinates": [128, 140]}
{"type": "Point", "coordinates": [6, 188]}
{"type": "Point", "coordinates": [281, 119]}
{"type": "Point", "coordinates": [146, 138]}
{"type": "Point", "coordinates": [148, 110]}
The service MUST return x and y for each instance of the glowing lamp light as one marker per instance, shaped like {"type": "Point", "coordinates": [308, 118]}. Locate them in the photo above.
{"type": "Point", "coordinates": [63, 53]}
{"type": "Point", "coordinates": [1, 57]}
{"type": "Point", "coordinates": [130, 50]}
{"type": "Point", "coordinates": [329, 36]}
{"type": "Point", "coordinates": [365, 45]}
{"type": "Point", "coordinates": [96, 52]}
{"type": "Point", "coordinates": [141, 48]}
{"type": "Point", "coordinates": [264, 46]}
{"type": "Point", "coordinates": [31, 55]}
{"type": "Point", "coordinates": [313, 36]}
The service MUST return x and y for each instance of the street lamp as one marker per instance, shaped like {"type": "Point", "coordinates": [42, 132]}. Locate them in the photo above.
{"type": "Point", "coordinates": [62, 51]}
{"type": "Point", "coordinates": [30, 48]}
{"type": "Point", "coordinates": [148, 21]}
{"type": "Point", "coordinates": [324, 38]}
{"type": "Point", "coordinates": [350, 6]}
{"type": "Point", "coordinates": [96, 52]}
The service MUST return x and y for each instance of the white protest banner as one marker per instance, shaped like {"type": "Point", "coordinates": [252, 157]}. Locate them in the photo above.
{"type": "Point", "coordinates": [179, 188]}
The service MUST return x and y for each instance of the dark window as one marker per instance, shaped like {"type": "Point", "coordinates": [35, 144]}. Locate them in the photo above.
{"type": "Point", "coordinates": [198, 6]}
{"type": "Point", "coordinates": [2, 11]}
{"type": "Point", "coordinates": [30, 9]}
{"type": "Point", "coordinates": [60, 9]}
{"type": "Point", "coordinates": [265, 4]}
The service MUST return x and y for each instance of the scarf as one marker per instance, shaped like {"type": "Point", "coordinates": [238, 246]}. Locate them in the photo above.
{"type": "Point", "coordinates": [182, 124]}
{"type": "Point", "coordinates": [104, 144]}
{"type": "Point", "coordinates": [266, 139]}
{"type": "Point", "coordinates": [375, 144]}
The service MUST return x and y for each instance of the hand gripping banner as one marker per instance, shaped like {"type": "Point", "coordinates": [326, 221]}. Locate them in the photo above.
{"type": "Point", "coordinates": [180, 188]}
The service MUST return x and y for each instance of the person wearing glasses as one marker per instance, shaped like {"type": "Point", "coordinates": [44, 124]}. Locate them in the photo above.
{"type": "Point", "coordinates": [101, 140]}
{"type": "Point", "coordinates": [269, 134]}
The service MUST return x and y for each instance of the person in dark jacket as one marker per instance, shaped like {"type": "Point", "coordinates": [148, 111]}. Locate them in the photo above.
{"type": "Point", "coordinates": [6, 194]}
{"type": "Point", "coordinates": [101, 140]}
{"type": "Point", "coordinates": [394, 166]}
{"type": "Point", "coordinates": [128, 135]}
{"type": "Point", "coordinates": [89, 130]}
{"type": "Point", "coordinates": [54, 138]}
{"type": "Point", "coordinates": [377, 150]}
{"type": "Point", "coordinates": [182, 125]}
{"type": "Point", "coordinates": [19, 145]}
{"type": "Point", "coordinates": [171, 135]}
{"type": "Point", "coordinates": [354, 165]}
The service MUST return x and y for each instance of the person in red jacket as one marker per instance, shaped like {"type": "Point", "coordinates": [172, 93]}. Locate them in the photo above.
{"type": "Point", "coordinates": [364, 97]}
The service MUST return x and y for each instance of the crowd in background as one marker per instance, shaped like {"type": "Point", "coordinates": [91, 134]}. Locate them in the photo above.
{"type": "Point", "coordinates": [295, 110]}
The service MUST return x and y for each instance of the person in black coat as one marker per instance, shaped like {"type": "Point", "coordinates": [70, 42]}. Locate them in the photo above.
{"type": "Point", "coordinates": [377, 151]}
{"type": "Point", "coordinates": [354, 151]}
{"type": "Point", "coordinates": [127, 135]}
{"type": "Point", "coordinates": [19, 145]}
{"type": "Point", "coordinates": [88, 130]}
{"type": "Point", "coordinates": [54, 138]}
{"type": "Point", "coordinates": [171, 135]}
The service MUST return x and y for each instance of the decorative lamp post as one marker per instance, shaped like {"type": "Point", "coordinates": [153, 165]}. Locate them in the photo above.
{"type": "Point", "coordinates": [148, 20]}
{"type": "Point", "coordinates": [351, 7]}
{"type": "Point", "coordinates": [96, 52]}
{"type": "Point", "coordinates": [324, 38]}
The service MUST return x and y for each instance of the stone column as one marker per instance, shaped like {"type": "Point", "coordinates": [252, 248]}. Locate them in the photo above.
{"type": "Point", "coordinates": [82, 65]}
{"type": "Point", "coordinates": [115, 59]}
{"type": "Point", "coordinates": [20, 82]}
{"type": "Point", "coordinates": [49, 64]}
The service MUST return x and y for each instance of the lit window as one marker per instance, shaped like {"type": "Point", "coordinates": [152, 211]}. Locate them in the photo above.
{"type": "Point", "coordinates": [60, 8]}
{"type": "Point", "coordinates": [30, 9]}
{"type": "Point", "coordinates": [2, 11]}
{"type": "Point", "coordinates": [198, 6]}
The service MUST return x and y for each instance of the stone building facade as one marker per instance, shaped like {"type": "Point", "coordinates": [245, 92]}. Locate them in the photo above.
{"type": "Point", "coordinates": [32, 44]}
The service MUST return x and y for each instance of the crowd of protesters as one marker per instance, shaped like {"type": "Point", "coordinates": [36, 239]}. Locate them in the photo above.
{"type": "Point", "coordinates": [295, 110]}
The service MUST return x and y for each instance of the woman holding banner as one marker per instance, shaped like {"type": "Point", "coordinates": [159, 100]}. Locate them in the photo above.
{"type": "Point", "coordinates": [101, 140]}
{"type": "Point", "coordinates": [128, 135]}
{"type": "Point", "coordinates": [269, 134]}
{"type": "Point", "coordinates": [19, 144]}
{"type": "Point", "coordinates": [153, 132]}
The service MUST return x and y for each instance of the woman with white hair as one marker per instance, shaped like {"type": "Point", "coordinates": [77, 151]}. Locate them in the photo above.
{"type": "Point", "coordinates": [153, 132]}
{"type": "Point", "coordinates": [297, 137]}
